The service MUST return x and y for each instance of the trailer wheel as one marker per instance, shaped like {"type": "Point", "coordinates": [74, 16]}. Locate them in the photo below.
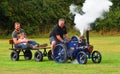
{"type": "Point", "coordinates": [82, 57]}
{"type": "Point", "coordinates": [14, 55]}
{"type": "Point", "coordinates": [96, 57]}
{"type": "Point", "coordinates": [50, 57]}
{"type": "Point", "coordinates": [60, 54]}
{"type": "Point", "coordinates": [28, 55]}
{"type": "Point", "coordinates": [38, 56]}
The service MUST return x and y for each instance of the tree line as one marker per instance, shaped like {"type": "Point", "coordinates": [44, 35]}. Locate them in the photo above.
{"type": "Point", "coordinates": [39, 16]}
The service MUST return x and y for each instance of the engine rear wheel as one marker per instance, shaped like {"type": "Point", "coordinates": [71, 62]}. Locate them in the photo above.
{"type": "Point", "coordinates": [60, 54]}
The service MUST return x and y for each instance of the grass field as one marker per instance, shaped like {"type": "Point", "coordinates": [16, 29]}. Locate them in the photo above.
{"type": "Point", "coordinates": [109, 47]}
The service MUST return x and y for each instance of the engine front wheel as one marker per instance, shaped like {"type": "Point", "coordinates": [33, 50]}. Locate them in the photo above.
{"type": "Point", "coordinates": [96, 57]}
{"type": "Point", "coordinates": [82, 57]}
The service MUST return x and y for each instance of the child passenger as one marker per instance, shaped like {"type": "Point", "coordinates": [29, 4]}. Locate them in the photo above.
{"type": "Point", "coordinates": [31, 43]}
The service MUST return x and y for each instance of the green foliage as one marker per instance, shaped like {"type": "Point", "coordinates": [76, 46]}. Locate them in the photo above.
{"type": "Point", "coordinates": [39, 16]}
{"type": "Point", "coordinates": [111, 21]}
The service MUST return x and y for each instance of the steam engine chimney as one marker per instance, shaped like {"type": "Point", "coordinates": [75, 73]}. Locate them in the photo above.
{"type": "Point", "coordinates": [87, 37]}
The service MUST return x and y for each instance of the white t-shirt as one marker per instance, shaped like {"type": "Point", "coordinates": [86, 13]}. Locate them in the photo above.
{"type": "Point", "coordinates": [22, 39]}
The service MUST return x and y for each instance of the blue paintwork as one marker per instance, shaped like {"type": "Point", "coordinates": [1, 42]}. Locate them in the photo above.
{"type": "Point", "coordinates": [73, 47]}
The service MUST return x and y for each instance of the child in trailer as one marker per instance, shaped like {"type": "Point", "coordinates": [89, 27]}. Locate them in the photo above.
{"type": "Point", "coordinates": [30, 43]}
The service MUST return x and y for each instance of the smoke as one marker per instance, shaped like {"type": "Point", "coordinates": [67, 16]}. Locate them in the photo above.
{"type": "Point", "coordinates": [75, 61]}
{"type": "Point", "coordinates": [92, 9]}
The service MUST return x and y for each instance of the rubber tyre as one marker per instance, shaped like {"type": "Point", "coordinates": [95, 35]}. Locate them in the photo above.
{"type": "Point", "coordinates": [50, 57]}
{"type": "Point", "coordinates": [14, 55]}
{"type": "Point", "coordinates": [28, 55]}
{"type": "Point", "coordinates": [60, 53]}
{"type": "Point", "coordinates": [82, 57]}
{"type": "Point", "coordinates": [96, 57]}
{"type": "Point", "coordinates": [38, 56]}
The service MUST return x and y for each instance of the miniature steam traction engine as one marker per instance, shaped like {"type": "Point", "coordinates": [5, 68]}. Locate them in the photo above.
{"type": "Point", "coordinates": [76, 48]}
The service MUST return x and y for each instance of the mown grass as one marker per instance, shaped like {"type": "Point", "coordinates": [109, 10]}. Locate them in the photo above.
{"type": "Point", "coordinates": [108, 46]}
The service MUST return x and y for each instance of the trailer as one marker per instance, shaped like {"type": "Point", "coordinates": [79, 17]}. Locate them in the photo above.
{"type": "Point", "coordinates": [38, 55]}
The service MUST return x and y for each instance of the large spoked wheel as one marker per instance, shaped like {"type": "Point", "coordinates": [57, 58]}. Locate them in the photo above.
{"type": "Point", "coordinates": [28, 55]}
{"type": "Point", "coordinates": [38, 56]}
{"type": "Point", "coordinates": [82, 57]}
{"type": "Point", "coordinates": [50, 57]}
{"type": "Point", "coordinates": [96, 57]}
{"type": "Point", "coordinates": [60, 54]}
{"type": "Point", "coordinates": [75, 38]}
{"type": "Point", "coordinates": [14, 55]}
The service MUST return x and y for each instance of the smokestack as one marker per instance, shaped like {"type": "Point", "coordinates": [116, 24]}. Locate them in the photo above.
{"type": "Point", "coordinates": [87, 37]}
